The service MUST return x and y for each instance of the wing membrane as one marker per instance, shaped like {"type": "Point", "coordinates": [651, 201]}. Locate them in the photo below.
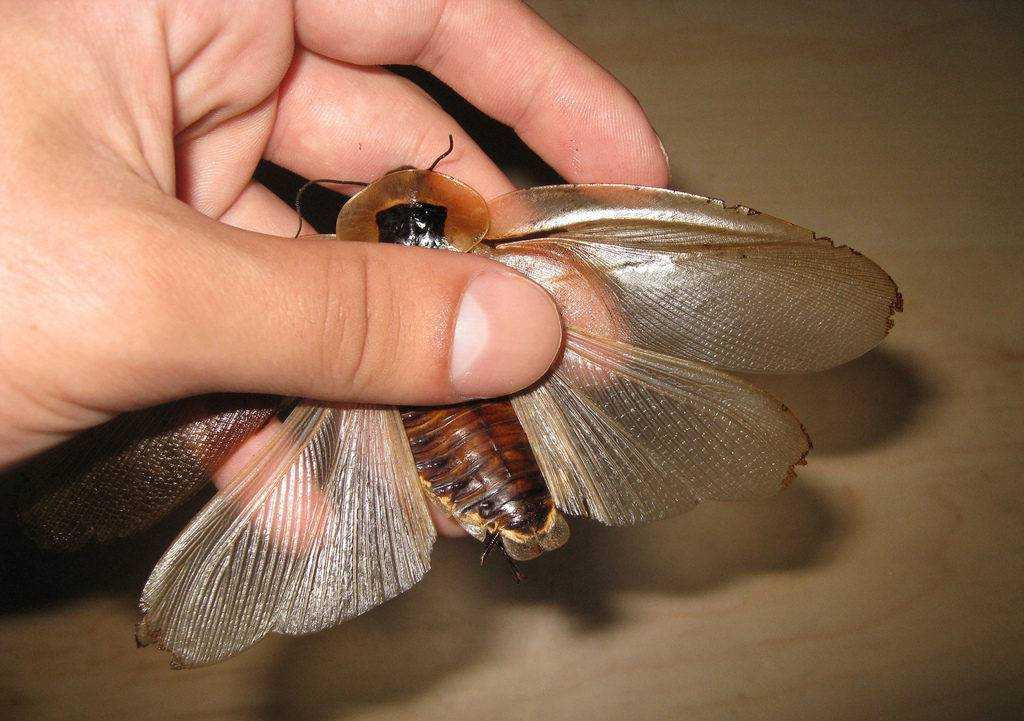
{"type": "Point", "coordinates": [122, 477]}
{"type": "Point", "coordinates": [628, 212]}
{"type": "Point", "coordinates": [683, 275]}
{"type": "Point", "coordinates": [626, 436]}
{"type": "Point", "coordinates": [328, 522]}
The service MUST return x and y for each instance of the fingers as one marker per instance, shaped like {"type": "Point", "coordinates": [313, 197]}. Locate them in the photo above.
{"type": "Point", "coordinates": [336, 119]}
{"type": "Point", "coordinates": [512, 65]}
{"type": "Point", "coordinates": [212, 168]}
{"type": "Point", "coordinates": [331, 320]}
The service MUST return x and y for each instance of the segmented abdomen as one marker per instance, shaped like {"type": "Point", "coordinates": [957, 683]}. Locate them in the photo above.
{"type": "Point", "coordinates": [476, 460]}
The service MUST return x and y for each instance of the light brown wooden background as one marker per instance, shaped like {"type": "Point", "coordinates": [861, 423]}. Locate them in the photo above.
{"type": "Point", "coordinates": [886, 583]}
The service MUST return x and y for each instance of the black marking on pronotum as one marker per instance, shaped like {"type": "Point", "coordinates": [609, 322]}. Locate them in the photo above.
{"type": "Point", "coordinates": [415, 224]}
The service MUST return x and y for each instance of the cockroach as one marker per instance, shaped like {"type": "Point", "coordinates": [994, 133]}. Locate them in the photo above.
{"type": "Point", "coordinates": [663, 296]}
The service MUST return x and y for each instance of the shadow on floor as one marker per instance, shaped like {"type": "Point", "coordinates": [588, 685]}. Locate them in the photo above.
{"type": "Point", "coordinates": [33, 578]}
{"type": "Point", "coordinates": [872, 400]}
{"type": "Point", "coordinates": [458, 616]}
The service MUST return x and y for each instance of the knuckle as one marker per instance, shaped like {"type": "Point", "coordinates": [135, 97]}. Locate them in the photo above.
{"type": "Point", "coordinates": [360, 323]}
{"type": "Point", "coordinates": [336, 322]}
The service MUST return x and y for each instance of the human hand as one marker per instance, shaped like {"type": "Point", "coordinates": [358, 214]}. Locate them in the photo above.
{"type": "Point", "coordinates": [139, 263]}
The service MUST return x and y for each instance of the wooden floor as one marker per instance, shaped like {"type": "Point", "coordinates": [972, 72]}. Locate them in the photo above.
{"type": "Point", "coordinates": [888, 582]}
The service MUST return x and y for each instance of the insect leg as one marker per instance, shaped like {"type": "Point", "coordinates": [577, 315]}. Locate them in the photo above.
{"type": "Point", "coordinates": [490, 540]}
{"type": "Point", "coordinates": [516, 573]}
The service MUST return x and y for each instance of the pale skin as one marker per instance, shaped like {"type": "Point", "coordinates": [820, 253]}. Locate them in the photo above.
{"type": "Point", "coordinates": [139, 263]}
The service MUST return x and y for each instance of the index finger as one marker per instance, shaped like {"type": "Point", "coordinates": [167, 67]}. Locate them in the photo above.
{"type": "Point", "coordinates": [512, 65]}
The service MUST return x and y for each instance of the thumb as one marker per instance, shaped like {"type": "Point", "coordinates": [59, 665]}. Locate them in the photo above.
{"type": "Point", "coordinates": [337, 321]}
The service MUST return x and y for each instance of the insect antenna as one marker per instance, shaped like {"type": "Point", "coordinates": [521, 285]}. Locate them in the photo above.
{"type": "Point", "coordinates": [307, 184]}
{"type": "Point", "coordinates": [445, 154]}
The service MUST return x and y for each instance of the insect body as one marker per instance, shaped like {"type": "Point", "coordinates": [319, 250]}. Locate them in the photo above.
{"type": "Point", "coordinates": [476, 460]}
{"type": "Point", "coordinates": [662, 296]}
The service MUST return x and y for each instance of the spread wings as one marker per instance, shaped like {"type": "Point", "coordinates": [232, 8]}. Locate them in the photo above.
{"type": "Point", "coordinates": [687, 276]}
{"type": "Point", "coordinates": [327, 522]}
{"type": "Point", "coordinates": [122, 477]}
{"type": "Point", "coordinates": [626, 436]}
{"type": "Point", "coordinates": [661, 292]}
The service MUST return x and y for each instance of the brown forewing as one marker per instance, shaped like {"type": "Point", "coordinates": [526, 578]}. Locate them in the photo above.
{"type": "Point", "coordinates": [122, 477]}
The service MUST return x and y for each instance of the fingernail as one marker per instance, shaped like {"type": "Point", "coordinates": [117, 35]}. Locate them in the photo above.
{"type": "Point", "coordinates": [507, 333]}
{"type": "Point", "coordinates": [664, 153]}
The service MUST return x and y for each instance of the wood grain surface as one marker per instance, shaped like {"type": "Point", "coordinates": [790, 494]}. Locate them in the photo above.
{"type": "Point", "coordinates": [888, 582]}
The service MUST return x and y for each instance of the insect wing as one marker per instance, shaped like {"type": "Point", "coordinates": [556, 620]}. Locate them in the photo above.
{"type": "Point", "coordinates": [687, 276]}
{"type": "Point", "coordinates": [122, 477]}
{"type": "Point", "coordinates": [626, 436]}
{"type": "Point", "coordinates": [326, 523]}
